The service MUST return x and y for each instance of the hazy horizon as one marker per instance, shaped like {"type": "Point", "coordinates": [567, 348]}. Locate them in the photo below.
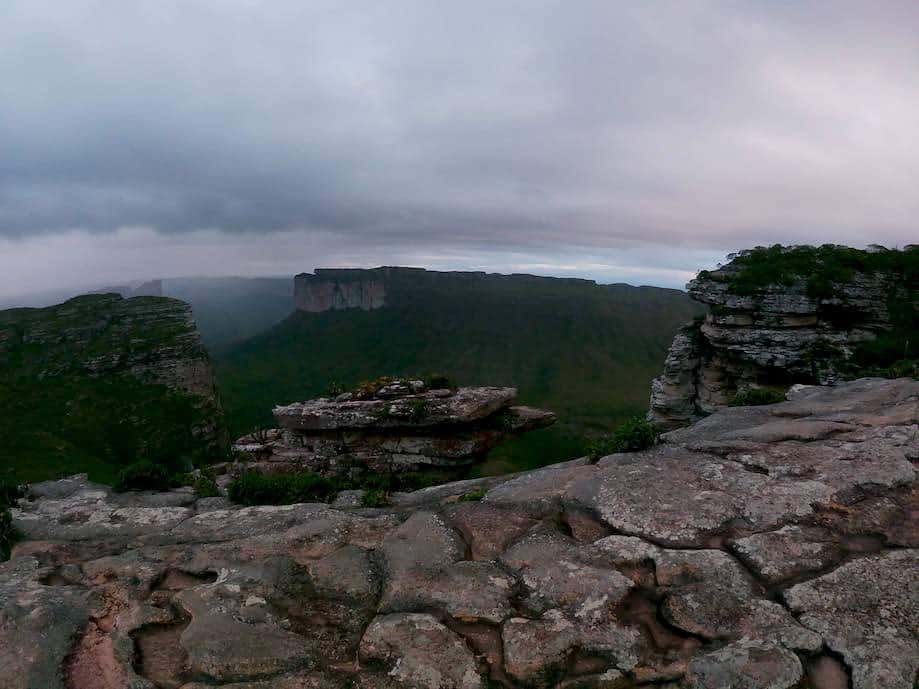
{"type": "Point", "coordinates": [604, 140]}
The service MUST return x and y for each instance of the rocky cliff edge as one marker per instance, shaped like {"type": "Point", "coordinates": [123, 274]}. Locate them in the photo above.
{"type": "Point", "coordinates": [762, 547]}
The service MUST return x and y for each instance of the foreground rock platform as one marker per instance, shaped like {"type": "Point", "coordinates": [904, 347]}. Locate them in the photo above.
{"type": "Point", "coordinates": [772, 547]}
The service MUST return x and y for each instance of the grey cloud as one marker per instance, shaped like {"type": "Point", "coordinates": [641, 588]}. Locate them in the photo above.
{"type": "Point", "coordinates": [497, 125]}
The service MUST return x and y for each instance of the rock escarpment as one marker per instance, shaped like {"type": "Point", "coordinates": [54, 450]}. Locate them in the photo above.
{"type": "Point", "coordinates": [104, 378]}
{"type": "Point", "coordinates": [402, 426]}
{"type": "Point", "coordinates": [332, 288]}
{"type": "Point", "coordinates": [781, 316]}
{"type": "Point", "coordinates": [762, 547]}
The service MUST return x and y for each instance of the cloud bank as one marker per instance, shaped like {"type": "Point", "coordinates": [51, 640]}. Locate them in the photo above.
{"type": "Point", "coordinates": [529, 132]}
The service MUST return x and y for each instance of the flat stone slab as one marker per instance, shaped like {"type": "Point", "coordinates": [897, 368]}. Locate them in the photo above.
{"type": "Point", "coordinates": [776, 542]}
{"type": "Point", "coordinates": [422, 410]}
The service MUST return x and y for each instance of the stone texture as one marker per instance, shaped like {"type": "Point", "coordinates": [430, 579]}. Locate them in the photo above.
{"type": "Point", "coordinates": [746, 665]}
{"type": "Point", "coordinates": [423, 653]}
{"type": "Point", "coordinates": [868, 610]}
{"type": "Point", "coordinates": [779, 335]}
{"type": "Point", "coordinates": [725, 557]}
{"type": "Point", "coordinates": [399, 426]}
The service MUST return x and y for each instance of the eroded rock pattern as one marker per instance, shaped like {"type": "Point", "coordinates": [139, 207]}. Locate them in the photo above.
{"type": "Point", "coordinates": [403, 426]}
{"type": "Point", "coordinates": [780, 334]}
{"type": "Point", "coordinates": [761, 548]}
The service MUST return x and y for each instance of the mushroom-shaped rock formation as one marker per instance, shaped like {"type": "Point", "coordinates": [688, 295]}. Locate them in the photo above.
{"type": "Point", "coordinates": [391, 428]}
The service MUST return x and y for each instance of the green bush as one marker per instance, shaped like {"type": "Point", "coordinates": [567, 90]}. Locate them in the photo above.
{"type": "Point", "coordinates": [437, 381]}
{"type": "Point", "coordinates": [634, 435]}
{"type": "Point", "coordinates": [204, 484]}
{"type": "Point", "coordinates": [375, 497]}
{"type": "Point", "coordinates": [144, 475]}
{"type": "Point", "coordinates": [281, 489]}
{"type": "Point", "coordinates": [474, 495]}
{"type": "Point", "coordinates": [754, 397]}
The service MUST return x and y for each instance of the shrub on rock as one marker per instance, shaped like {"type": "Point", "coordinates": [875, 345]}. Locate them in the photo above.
{"type": "Point", "coordinates": [634, 435]}
{"type": "Point", "coordinates": [144, 475]}
{"type": "Point", "coordinates": [754, 397]}
{"type": "Point", "coordinates": [281, 489]}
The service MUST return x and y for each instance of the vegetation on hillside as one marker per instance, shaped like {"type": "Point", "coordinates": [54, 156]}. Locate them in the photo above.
{"type": "Point", "coordinates": [71, 403]}
{"type": "Point", "coordinates": [586, 352]}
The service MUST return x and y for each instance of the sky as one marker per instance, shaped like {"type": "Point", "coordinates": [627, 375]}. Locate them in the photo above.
{"type": "Point", "coordinates": [621, 141]}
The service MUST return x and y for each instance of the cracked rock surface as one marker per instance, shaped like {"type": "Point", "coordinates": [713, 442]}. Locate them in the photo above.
{"type": "Point", "coordinates": [771, 547]}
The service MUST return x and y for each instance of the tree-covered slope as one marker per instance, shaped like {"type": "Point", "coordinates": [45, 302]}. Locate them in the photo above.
{"type": "Point", "coordinates": [99, 382]}
{"type": "Point", "coordinates": [583, 350]}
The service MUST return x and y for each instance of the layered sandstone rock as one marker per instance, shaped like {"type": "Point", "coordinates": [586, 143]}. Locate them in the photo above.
{"type": "Point", "coordinates": [775, 334]}
{"type": "Point", "coordinates": [403, 426]}
{"type": "Point", "coordinates": [331, 289]}
{"type": "Point", "coordinates": [773, 546]}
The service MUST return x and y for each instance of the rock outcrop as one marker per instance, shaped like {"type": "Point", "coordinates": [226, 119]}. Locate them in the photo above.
{"type": "Point", "coordinates": [771, 325]}
{"type": "Point", "coordinates": [393, 428]}
{"type": "Point", "coordinates": [762, 547]}
{"type": "Point", "coordinates": [339, 288]}
{"type": "Point", "coordinates": [103, 377]}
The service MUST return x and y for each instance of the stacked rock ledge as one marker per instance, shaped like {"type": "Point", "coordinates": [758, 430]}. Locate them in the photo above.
{"type": "Point", "coordinates": [776, 334]}
{"type": "Point", "coordinates": [401, 427]}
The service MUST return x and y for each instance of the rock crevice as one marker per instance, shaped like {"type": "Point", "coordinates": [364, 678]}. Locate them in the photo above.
{"type": "Point", "coordinates": [674, 565]}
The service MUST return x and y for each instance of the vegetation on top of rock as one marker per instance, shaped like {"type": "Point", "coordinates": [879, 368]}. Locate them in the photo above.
{"type": "Point", "coordinates": [145, 475]}
{"type": "Point", "coordinates": [474, 495]}
{"type": "Point", "coordinates": [825, 270]}
{"type": "Point", "coordinates": [580, 349]}
{"type": "Point", "coordinates": [754, 397]}
{"type": "Point", "coordinates": [99, 382]}
{"type": "Point", "coordinates": [821, 266]}
{"type": "Point", "coordinates": [204, 484]}
{"type": "Point", "coordinates": [253, 488]}
{"type": "Point", "coordinates": [634, 435]}
{"type": "Point", "coordinates": [281, 489]}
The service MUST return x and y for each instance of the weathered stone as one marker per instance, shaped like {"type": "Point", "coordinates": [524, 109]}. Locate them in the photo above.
{"type": "Point", "coordinates": [746, 664]}
{"type": "Point", "coordinates": [525, 586]}
{"type": "Point", "coordinates": [420, 410]}
{"type": "Point", "coordinates": [778, 333]}
{"type": "Point", "coordinates": [399, 427]}
{"type": "Point", "coordinates": [422, 652]}
{"type": "Point", "coordinates": [535, 651]}
{"type": "Point", "coordinates": [467, 591]}
{"type": "Point", "coordinates": [868, 610]}
{"type": "Point", "coordinates": [788, 552]}
{"type": "Point", "coordinates": [423, 541]}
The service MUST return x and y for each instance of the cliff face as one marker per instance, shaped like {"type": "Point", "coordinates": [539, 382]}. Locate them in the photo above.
{"type": "Point", "coordinates": [102, 380]}
{"type": "Point", "coordinates": [760, 546]}
{"type": "Point", "coordinates": [787, 315]}
{"type": "Point", "coordinates": [331, 289]}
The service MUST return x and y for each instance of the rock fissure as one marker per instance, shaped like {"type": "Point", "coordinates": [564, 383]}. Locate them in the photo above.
{"type": "Point", "coordinates": [674, 565]}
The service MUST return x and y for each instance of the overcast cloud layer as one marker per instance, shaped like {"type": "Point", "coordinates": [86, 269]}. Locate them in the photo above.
{"type": "Point", "coordinates": [624, 141]}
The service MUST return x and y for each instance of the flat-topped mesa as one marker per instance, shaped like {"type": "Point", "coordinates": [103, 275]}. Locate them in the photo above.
{"type": "Point", "coordinates": [785, 315]}
{"type": "Point", "coordinates": [333, 289]}
{"type": "Point", "coordinates": [397, 427]}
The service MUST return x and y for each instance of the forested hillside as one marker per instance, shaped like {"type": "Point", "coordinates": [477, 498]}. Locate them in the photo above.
{"type": "Point", "coordinates": [583, 350]}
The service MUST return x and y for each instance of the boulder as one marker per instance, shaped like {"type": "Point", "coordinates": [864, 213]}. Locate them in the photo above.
{"type": "Point", "coordinates": [395, 427]}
